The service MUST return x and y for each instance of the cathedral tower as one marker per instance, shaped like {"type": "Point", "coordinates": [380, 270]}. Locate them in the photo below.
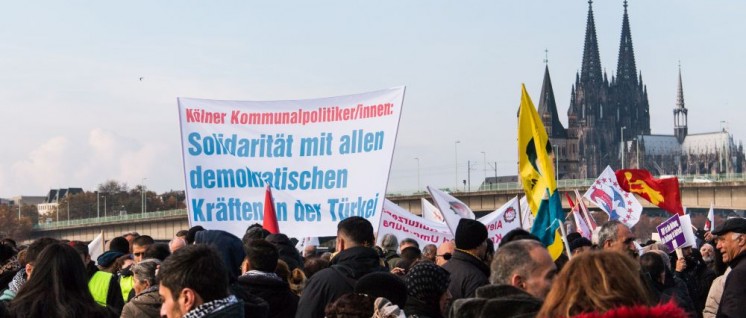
{"type": "Point", "coordinates": [680, 119]}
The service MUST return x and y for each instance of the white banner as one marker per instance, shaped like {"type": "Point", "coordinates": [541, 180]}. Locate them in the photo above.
{"type": "Point", "coordinates": [502, 221]}
{"type": "Point", "coordinates": [430, 212]}
{"type": "Point", "coordinates": [526, 215]}
{"type": "Point", "coordinates": [403, 224]}
{"type": "Point", "coordinates": [617, 203]}
{"type": "Point", "coordinates": [327, 159]}
{"type": "Point", "coordinates": [451, 208]}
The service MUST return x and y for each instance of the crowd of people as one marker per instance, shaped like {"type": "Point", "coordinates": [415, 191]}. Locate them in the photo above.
{"type": "Point", "coordinates": [212, 273]}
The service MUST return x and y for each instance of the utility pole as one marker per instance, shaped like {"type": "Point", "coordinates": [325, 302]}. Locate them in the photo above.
{"type": "Point", "coordinates": [468, 176]}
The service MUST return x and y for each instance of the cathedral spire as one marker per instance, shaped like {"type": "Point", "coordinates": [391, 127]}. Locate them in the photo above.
{"type": "Point", "coordinates": [680, 92]}
{"type": "Point", "coordinates": [626, 69]}
{"type": "Point", "coordinates": [680, 116]}
{"type": "Point", "coordinates": [591, 69]}
{"type": "Point", "coordinates": [548, 109]}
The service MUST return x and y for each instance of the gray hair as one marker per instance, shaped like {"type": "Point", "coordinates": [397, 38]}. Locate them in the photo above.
{"type": "Point", "coordinates": [608, 232]}
{"type": "Point", "coordinates": [389, 242]}
{"type": "Point", "coordinates": [146, 271]}
{"type": "Point", "coordinates": [513, 258]}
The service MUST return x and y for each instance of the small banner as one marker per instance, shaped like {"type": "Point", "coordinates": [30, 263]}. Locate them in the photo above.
{"type": "Point", "coordinates": [671, 233]}
{"type": "Point", "coordinates": [403, 224]}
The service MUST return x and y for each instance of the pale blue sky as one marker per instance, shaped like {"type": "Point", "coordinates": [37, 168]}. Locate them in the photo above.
{"type": "Point", "coordinates": [75, 113]}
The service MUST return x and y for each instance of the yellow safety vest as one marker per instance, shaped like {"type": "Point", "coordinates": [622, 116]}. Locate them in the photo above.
{"type": "Point", "coordinates": [99, 286]}
{"type": "Point", "coordinates": [126, 283]}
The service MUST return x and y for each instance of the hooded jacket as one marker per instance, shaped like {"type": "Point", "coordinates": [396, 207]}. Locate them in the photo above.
{"type": "Point", "coordinates": [282, 302]}
{"type": "Point", "coordinates": [340, 278]}
{"type": "Point", "coordinates": [467, 274]}
{"type": "Point", "coordinates": [146, 304]}
{"type": "Point", "coordinates": [228, 245]}
{"type": "Point", "coordinates": [288, 253]}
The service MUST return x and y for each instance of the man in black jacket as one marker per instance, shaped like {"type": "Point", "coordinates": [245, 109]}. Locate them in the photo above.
{"type": "Point", "coordinates": [260, 279]}
{"type": "Point", "coordinates": [732, 243]}
{"type": "Point", "coordinates": [468, 272]}
{"type": "Point", "coordinates": [356, 258]}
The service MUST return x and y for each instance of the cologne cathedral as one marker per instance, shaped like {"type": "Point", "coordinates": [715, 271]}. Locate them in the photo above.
{"type": "Point", "coordinates": [609, 122]}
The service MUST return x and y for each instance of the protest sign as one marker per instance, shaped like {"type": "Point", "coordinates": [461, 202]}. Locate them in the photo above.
{"type": "Point", "coordinates": [450, 208]}
{"type": "Point", "coordinates": [672, 233]}
{"type": "Point", "coordinates": [326, 159]}
{"type": "Point", "coordinates": [686, 226]}
{"type": "Point", "coordinates": [502, 221]}
{"type": "Point", "coordinates": [403, 224]}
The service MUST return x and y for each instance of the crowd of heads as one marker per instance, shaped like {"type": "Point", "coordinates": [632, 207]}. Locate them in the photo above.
{"type": "Point", "coordinates": [199, 272]}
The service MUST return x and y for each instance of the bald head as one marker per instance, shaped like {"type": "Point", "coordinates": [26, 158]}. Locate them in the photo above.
{"type": "Point", "coordinates": [176, 244]}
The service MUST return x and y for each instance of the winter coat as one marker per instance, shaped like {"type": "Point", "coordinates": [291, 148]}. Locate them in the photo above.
{"type": "Point", "coordinates": [288, 253]}
{"type": "Point", "coordinates": [146, 304]}
{"type": "Point", "coordinates": [667, 310]}
{"type": "Point", "coordinates": [698, 278]}
{"type": "Point", "coordinates": [467, 274]}
{"type": "Point", "coordinates": [418, 308]}
{"type": "Point", "coordinates": [328, 284]}
{"type": "Point", "coordinates": [276, 292]}
{"type": "Point", "coordinates": [713, 298]}
{"type": "Point", "coordinates": [497, 300]}
{"type": "Point", "coordinates": [391, 259]}
{"type": "Point", "coordinates": [733, 301]}
{"type": "Point", "coordinates": [253, 305]}
{"type": "Point", "coordinates": [230, 311]}
{"type": "Point", "coordinates": [675, 289]}
{"type": "Point", "coordinates": [228, 245]}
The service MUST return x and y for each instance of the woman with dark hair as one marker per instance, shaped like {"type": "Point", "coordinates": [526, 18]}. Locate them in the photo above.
{"type": "Point", "coordinates": [57, 287]}
{"type": "Point", "coordinates": [666, 284]}
{"type": "Point", "coordinates": [351, 305]}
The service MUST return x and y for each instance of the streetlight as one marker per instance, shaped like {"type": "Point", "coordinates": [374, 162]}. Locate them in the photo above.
{"type": "Point", "coordinates": [484, 157]}
{"type": "Point", "coordinates": [104, 206]}
{"type": "Point", "coordinates": [142, 194]}
{"type": "Point", "coordinates": [418, 173]}
{"type": "Point", "coordinates": [623, 128]}
{"type": "Point", "coordinates": [556, 163]}
{"type": "Point", "coordinates": [456, 151]}
{"type": "Point", "coordinates": [68, 209]}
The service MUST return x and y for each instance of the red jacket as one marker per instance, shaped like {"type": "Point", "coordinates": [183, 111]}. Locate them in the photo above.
{"type": "Point", "coordinates": [667, 310]}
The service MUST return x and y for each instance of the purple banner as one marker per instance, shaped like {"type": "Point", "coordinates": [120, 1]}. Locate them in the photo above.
{"type": "Point", "coordinates": [671, 232]}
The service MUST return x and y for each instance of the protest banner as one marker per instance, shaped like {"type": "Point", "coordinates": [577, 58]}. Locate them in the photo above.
{"type": "Point", "coordinates": [326, 159]}
{"type": "Point", "coordinates": [451, 209]}
{"type": "Point", "coordinates": [527, 218]}
{"type": "Point", "coordinates": [430, 212]}
{"type": "Point", "coordinates": [403, 224]}
{"type": "Point", "coordinates": [671, 232]}
{"type": "Point", "coordinates": [502, 221]}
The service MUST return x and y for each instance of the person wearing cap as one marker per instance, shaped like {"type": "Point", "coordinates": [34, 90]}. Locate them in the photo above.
{"type": "Point", "coordinates": [731, 241]}
{"type": "Point", "coordinates": [468, 271]}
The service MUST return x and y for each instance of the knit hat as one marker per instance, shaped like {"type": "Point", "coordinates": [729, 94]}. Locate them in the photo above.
{"type": "Point", "coordinates": [427, 281]}
{"type": "Point", "coordinates": [383, 284]}
{"type": "Point", "coordinates": [107, 258]}
{"type": "Point", "coordinates": [470, 234]}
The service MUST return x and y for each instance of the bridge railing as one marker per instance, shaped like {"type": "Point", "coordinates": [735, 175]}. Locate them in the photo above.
{"type": "Point", "coordinates": [107, 219]}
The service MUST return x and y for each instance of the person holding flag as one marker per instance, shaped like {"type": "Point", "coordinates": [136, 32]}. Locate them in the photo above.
{"type": "Point", "coordinates": [537, 176]}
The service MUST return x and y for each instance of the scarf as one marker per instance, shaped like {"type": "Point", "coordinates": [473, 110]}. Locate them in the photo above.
{"type": "Point", "coordinates": [11, 265]}
{"type": "Point", "coordinates": [211, 307]}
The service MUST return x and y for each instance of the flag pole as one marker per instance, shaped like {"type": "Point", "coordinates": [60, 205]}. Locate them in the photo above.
{"type": "Point", "coordinates": [520, 215]}
{"type": "Point", "coordinates": [564, 238]}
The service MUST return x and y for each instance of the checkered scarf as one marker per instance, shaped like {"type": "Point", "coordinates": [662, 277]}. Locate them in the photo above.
{"type": "Point", "coordinates": [211, 307]}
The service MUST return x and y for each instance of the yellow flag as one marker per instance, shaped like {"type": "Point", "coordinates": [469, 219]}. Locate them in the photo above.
{"type": "Point", "coordinates": [537, 176]}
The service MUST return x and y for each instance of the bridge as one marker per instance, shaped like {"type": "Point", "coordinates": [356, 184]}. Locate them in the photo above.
{"type": "Point", "coordinates": [728, 194]}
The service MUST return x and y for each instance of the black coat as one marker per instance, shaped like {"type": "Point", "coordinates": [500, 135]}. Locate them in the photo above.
{"type": "Point", "coordinates": [467, 274]}
{"type": "Point", "coordinates": [253, 305]}
{"type": "Point", "coordinates": [497, 300]}
{"type": "Point", "coordinates": [676, 289]}
{"type": "Point", "coordinates": [282, 302]}
{"type": "Point", "coordinates": [733, 301]}
{"type": "Point", "coordinates": [698, 278]}
{"type": "Point", "coordinates": [328, 284]}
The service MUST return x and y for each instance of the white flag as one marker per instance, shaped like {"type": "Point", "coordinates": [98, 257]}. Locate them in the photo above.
{"type": "Point", "coordinates": [710, 222]}
{"type": "Point", "coordinates": [404, 224]}
{"type": "Point", "coordinates": [96, 247]}
{"type": "Point", "coordinates": [581, 223]}
{"type": "Point", "coordinates": [617, 203]}
{"type": "Point", "coordinates": [527, 219]}
{"type": "Point", "coordinates": [451, 208]}
{"type": "Point", "coordinates": [309, 240]}
{"type": "Point", "coordinates": [430, 212]}
{"type": "Point", "coordinates": [502, 221]}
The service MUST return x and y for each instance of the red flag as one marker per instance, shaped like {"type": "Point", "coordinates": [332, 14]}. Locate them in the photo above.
{"type": "Point", "coordinates": [270, 217]}
{"type": "Point", "coordinates": [662, 192]}
{"type": "Point", "coordinates": [569, 201]}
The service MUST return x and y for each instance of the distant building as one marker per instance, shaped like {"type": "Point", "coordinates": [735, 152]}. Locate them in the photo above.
{"type": "Point", "coordinates": [52, 199]}
{"type": "Point", "coordinates": [609, 122]}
